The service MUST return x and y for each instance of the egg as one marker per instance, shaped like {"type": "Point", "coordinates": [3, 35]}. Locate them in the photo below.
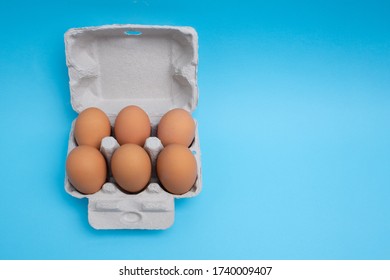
{"type": "Point", "coordinates": [132, 125]}
{"type": "Point", "coordinates": [176, 169]}
{"type": "Point", "coordinates": [176, 127]}
{"type": "Point", "coordinates": [131, 167]}
{"type": "Point", "coordinates": [91, 126]}
{"type": "Point", "coordinates": [86, 169]}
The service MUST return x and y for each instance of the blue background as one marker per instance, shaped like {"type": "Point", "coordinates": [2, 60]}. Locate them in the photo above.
{"type": "Point", "coordinates": [294, 119]}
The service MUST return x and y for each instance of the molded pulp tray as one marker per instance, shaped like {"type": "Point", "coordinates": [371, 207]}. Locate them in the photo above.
{"type": "Point", "coordinates": [153, 67]}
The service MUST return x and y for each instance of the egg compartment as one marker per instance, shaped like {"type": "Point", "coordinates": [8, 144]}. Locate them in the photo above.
{"type": "Point", "coordinates": [153, 67]}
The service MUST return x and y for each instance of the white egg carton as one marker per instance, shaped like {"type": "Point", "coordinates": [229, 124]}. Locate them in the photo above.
{"type": "Point", "coordinates": [153, 67]}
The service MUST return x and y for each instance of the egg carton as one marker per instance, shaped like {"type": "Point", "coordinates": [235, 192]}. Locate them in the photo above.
{"type": "Point", "coordinates": [153, 67]}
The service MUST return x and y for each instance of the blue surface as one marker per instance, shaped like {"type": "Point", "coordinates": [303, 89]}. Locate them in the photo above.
{"type": "Point", "coordinates": [294, 117]}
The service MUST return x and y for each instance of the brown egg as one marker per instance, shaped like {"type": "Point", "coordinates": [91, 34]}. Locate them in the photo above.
{"type": "Point", "coordinates": [86, 169]}
{"type": "Point", "coordinates": [176, 127]}
{"type": "Point", "coordinates": [131, 167]}
{"type": "Point", "coordinates": [92, 125]}
{"type": "Point", "coordinates": [176, 169]}
{"type": "Point", "coordinates": [132, 125]}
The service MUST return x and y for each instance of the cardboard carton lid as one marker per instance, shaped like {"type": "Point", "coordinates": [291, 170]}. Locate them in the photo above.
{"type": "Point", "coordinates": [113, 66]}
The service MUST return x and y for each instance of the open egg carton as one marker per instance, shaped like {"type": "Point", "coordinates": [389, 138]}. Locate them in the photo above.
{"type": "Point", "coordinates": [153, 67]}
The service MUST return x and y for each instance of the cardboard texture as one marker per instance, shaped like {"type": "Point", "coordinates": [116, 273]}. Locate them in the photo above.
{"type": "Point", "coordinates": [153, 67]}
